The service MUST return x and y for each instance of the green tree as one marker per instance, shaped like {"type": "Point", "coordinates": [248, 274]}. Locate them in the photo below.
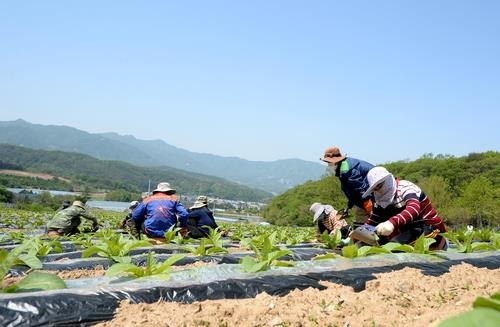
{"type": "Point", "coordinates": [6, 196]}
{"type": "Point", "coordinates": [480, 200]}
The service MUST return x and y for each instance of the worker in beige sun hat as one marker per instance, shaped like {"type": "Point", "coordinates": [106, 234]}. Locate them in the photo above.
{"type": "Point", "coordinates": [326, 218]}
{"type": "Point", "coordinates": [66, 221]}
{"type": "Point", "coordinates": [200, 216]}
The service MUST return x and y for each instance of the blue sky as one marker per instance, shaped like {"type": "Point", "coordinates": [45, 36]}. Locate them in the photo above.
{"type": "Point", "coordinates": [261, 80]}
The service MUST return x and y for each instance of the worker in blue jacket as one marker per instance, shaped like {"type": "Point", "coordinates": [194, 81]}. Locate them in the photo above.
{"type": "Point", "coordinates": [352, 175]}
{"type": "Point", "coordinates": [160, 211]}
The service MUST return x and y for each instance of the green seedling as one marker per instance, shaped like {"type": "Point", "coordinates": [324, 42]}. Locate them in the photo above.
{"type": "Point", "coordinates": [17, 256]}
{"type": "Point", "coordinates": [82, 240]}
{"type": "Point", "coordinates": [422, 245]}
{"type": "Point", "coordinates": [214, 238]}
{"type": "Point", "coordinates": [115, 248]}
{"type": "Point", "coordinates": [324, 256]}
{"type": "Point", "coordinates": [44, 247]}
{"type": "Point", "coordinates": [468, 246]}
{"type": "Point", "coordinates": [266, 256]}
{"type": "Point", "coordinates": [151, 268]}
{"type": "Point", "coordinates": [331, 241]}
{"type": "Point", "coordinates": [171, 233]}
{"type": "Point", "coordinates": [486, 312]}
{"type": "Point", "coordinates": [204, 249]}
{"type": "Point", "coordinates": [36, 281]}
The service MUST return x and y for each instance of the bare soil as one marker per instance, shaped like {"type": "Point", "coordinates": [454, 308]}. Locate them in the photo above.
{"type": "Point", "coordinates": [98, 271]}
{"type": "Point", "coordinates": [400, 298]}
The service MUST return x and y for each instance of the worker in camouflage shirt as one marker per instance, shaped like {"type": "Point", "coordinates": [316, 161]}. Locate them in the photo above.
{"type": "Point", "coordinates": [66, 222]}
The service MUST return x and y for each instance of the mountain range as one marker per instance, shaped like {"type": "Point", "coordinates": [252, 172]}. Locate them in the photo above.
{"type": "Point", "coordinates": [274, 176]}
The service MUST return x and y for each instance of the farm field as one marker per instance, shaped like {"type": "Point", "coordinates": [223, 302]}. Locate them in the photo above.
{"type": "Point", "coordinates": [240, 275]}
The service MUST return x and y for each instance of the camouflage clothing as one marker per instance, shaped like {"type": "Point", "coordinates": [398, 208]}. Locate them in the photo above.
{"type": "Point", "coordinates": [67, 221]}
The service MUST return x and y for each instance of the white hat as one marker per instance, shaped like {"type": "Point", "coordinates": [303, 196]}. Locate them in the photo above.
{"type": "Point", "coordinates": [198, 204]}
{"type": "Point", "coordinates": [375, 176]}
{"type": "Point", "coordinates": [133, 204]}
{"type": "Point", "coordinates": [318, 209]}
{"type": "Point", "coordinates": [163, 187]}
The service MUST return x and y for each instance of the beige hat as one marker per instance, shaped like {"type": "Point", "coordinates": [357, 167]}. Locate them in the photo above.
{"type": "Point", "coordinates": [198, 204]}
{"type": "Point", "coordinates": [317, 209]}
{"type": "Point", "coordinates": [202, 198]}
{"type": "Point", "coordinates": [332, 155]}
{"type": "Point", "coordinates": [164, 187]}
{"type": "Point", "coordinates": [78, 204]}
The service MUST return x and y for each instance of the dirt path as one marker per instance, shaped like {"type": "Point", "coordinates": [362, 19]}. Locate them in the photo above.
{"type": "Point", "coordinates": [31, 174]}
{"type": "Point", "coordinates": [400, 298]}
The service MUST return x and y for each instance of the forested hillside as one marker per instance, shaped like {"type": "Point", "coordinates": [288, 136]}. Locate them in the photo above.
{"type": "Point", "coordinates": [87, 172]}
{"type": "Point", "coordinates": [272, 176]}
{"type": "Point", "coordinates": [463, 190]}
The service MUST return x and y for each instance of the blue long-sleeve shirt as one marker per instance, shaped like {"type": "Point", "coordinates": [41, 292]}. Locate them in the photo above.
{"type": "Point", "coordinates": [159, 212]}
{"type": "Point", "coordinates": [353, 180]}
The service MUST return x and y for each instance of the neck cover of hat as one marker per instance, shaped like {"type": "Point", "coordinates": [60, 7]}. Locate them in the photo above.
{"type": "Point", "coordinates": [385, 195]}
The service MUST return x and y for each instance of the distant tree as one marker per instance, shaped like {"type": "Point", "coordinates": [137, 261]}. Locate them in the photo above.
{"type": "Point", "coordinates": [122, 195]}
{"type": "Point", "coordinates": [480, 201]}
{"type": "Point", "coordinates": [5, 195]}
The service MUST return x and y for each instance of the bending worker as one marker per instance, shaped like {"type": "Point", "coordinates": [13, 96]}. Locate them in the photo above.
{"type": "Point", "coordinates": [352, 175]}
{"type": "Point", "coordinates": [158, 212]}
{"type": "Point", "coordinates": [200, 218]}
{"type": "Point", "coordinates": [402, 211]}
{"type": "Point", "coordinates": [66, 221]}
{"type": "Point", "coordinates": [327, 219]}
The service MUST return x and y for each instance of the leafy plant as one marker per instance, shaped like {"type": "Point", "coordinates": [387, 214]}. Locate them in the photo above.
{"type": "Point", "coordinates": [83, 240]}
{"type": "Point", "coordinates": [331, 241]}
{"type": "Point", "coordinates": [204, 249]}
{"type": "Point", "coordinates": [468, 246]}
{"type": "Point", "coordinates": [214, 238]}
{"type": "Point", "coordinates": [325, 256]}
{"type": "Point", "coordinates": [115, 248]}
{"type": "Point", "coordinates": [266, 256]}
{"type": "Point", "coordinates": [17, 257]}
{"type": "Point", "coordinates": [151, 268]}
{"type": "Point", "coordinates": [171, 233]}
{"type": "Point", "coordinates": [484, 235]}
{"type": "Point", "coordinates": [422, 244]}
{"type": "Point", "coordinates": [180, 240]}
{"type": "Point", "coordinates": [36, 281]}
{"type": "Point", "coordinates": [44, 247]}
{"type": "Point", "coordinates": [486, 312]}
{"type": "Point", "coordinates": [397, 247]}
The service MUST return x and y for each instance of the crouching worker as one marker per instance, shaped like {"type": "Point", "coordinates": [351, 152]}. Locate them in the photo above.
{"type": "Point", "coordinates": [328, 219]}
{"type": "Point", "coordinates": [158, 212]}
{"type": "Point", "coordinates": [402, 211]}
{"type": "Point", "coordinates": [66, 221]}
{"type": "Point", "coordinates": [128, 224]}
{"type": "Point", "coordinates": [200, 218]}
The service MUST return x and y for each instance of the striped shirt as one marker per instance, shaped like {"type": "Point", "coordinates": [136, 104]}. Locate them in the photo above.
{"type": "Point", "coordinates": [410, 204]}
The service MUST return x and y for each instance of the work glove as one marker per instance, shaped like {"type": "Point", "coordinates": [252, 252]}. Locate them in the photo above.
{"type": "Point", "coordinates": [344, 212]}
{"type": "Point", "coordinates": [183, 231]}
{"type": "Point", "coordinates": [386, 228]}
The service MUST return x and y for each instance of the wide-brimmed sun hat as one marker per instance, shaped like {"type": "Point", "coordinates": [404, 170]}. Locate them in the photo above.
{"type": "Point", "coordinates": [317, 209]}
{"type": "Point", "coordinates": [79, 204]}
{"type": "Point", "coordinates": [163, 187]}
{"type": "Point", "coordinates": [202, 198]}
{"type": "Point", "coordinates": [376, 176]}
{"type": "Point", "coordinates": [198, 204]}
{"type": "Point", "coordinates": [332, 155]}
{"type": "Point", "coordinates": [133, 204]}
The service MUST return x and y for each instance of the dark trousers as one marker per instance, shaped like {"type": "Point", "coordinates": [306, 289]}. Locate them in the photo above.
{"type": "Point", "coordinates": [193, 229]}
